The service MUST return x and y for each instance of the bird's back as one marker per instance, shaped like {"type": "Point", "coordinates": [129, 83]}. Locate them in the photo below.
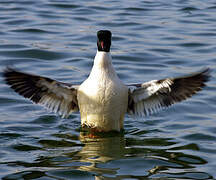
{"type": "Point", "coordinates": [103, 99]}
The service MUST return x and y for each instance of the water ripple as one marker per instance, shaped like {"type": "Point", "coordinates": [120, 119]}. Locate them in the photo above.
{"type": "Point", "coordinates": [151, 40]}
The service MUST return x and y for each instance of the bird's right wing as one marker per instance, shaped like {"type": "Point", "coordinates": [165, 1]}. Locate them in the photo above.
{"type": "Point", "coordinates": [58, 97]}
{"type": "Point", "coordinates": [147, 98]}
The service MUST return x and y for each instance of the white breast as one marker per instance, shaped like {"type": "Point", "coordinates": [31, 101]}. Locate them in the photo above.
{"type": "Point", "coordinates": [103, 98]}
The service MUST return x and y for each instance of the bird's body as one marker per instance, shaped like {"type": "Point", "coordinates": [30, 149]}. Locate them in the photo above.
{"type": "Point", "coordinates": [102, 99]}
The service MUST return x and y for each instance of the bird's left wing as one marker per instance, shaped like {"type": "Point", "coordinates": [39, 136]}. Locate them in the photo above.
{"type": "Point", "coordinates": [58, 97]}
{"type": "Point", "coordinates": [147, 98]}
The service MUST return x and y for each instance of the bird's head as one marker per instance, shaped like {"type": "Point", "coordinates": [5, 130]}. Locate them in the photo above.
{"type": "Point", "coordinates": [104, 40]}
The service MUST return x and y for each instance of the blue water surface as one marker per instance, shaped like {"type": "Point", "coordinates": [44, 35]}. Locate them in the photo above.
{"type": "Point", "coordinates": [151, 40]}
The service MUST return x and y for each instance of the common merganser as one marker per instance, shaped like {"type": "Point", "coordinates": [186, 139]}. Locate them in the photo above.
{"type": "Point", "coordinates": [102, 99]}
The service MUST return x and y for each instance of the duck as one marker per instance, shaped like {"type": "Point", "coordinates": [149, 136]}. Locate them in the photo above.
{"type": "Point", "coordinates": [103, 99]}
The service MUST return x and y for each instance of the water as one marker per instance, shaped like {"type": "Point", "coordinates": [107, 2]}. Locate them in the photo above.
{"type": "Point", "coordinates": [151, 40]}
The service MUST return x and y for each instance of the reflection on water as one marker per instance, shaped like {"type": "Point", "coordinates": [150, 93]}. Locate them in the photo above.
{"type": "Point", "coordinates": [101, 150]}
{"type": "Point", "coordinates": [110, 157]}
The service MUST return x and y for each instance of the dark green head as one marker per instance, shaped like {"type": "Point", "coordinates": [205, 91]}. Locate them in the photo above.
{"type": "Point", "coordinates": [104, 40]}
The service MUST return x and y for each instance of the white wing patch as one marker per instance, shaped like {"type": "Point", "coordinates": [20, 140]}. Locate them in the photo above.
{"type": "Point", "coordinates": [149, 88]}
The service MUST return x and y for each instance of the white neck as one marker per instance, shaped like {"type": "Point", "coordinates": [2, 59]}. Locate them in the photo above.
{"type": "Point", "coordinates": [103, 64]}
{"type": "Point", "coordinates": [102, 59]}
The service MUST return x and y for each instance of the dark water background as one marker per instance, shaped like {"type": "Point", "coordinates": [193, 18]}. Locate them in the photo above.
{"type": "Point", "coordinates": [151, 40]}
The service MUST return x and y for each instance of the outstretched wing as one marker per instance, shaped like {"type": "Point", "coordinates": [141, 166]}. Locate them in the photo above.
{"type": "Point", "coordinates": [149, 97]}
{"type": "Point", "coordinates": [58, 97]}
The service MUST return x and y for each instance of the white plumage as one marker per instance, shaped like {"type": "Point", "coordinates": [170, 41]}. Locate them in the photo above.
{"type": "Point", "coordinates": [102, 97]}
